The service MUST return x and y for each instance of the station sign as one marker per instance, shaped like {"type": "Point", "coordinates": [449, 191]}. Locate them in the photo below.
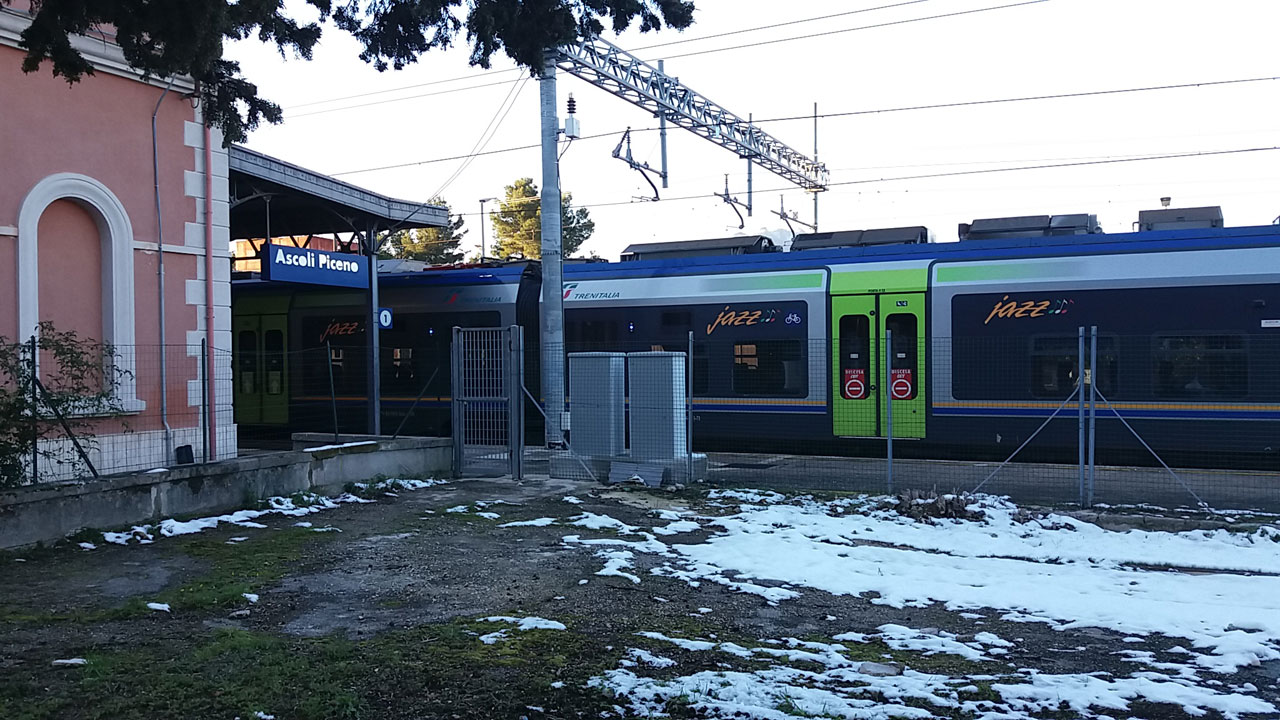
{"type": "Point", "coordinates": [315, 267]}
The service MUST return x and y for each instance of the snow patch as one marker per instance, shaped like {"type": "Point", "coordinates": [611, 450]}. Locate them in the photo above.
{"type": "Point", "coordinates": [539, 522]}
{"type": "Point", "coordinates": [320, 448]}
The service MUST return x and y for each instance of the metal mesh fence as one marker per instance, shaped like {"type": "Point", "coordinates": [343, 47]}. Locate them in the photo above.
{"type": "Point", "coordinates": [1179, 421]}
{"type": "Point", "coordinates": [90, 409]}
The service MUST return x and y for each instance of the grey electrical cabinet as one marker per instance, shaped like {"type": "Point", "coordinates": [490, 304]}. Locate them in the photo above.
{"type": "Point", "coordinates": [659, 430]}
{"type": "Point", "coordinates": [597, 403]}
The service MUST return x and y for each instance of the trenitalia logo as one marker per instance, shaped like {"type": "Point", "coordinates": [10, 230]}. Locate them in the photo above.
{"type": "Point", "coordinates": [571, 294]}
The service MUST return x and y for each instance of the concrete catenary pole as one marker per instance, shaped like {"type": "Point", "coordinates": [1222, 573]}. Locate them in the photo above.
{"type": "Point", "coordinates": [552, 285]}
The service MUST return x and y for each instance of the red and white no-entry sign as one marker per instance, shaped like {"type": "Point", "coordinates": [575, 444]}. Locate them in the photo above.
{"type": "Point", "coordinates": [854, 387]}
{"type": "Point", "coordinates": [901, 387]}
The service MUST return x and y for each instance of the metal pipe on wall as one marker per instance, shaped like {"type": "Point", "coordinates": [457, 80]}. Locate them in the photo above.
{"type": "Point", "coordinates": [208, 292]}
{"type": "Point", "coordinates": [164, 369]}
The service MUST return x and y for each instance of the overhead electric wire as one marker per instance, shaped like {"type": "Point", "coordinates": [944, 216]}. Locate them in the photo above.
{"type": "Point", "coordinates": [682, 41]}
{"type": "Point", "coordinates": [487, 135]}
{"type": "Point", "coordinates": [697, 52]}
{"type": "Point", "coordinates": [826, 33]}
{"type": "Point", "coordinates": [988, 171]}
{"type": "Point", "coordinates": [935, 106]}
{"type": "Point", "coordinates": [774, 26]}
{"type": "Point", "coordinates": [958, 173]}
{"type": "Point", "coordinates": [372, 103]}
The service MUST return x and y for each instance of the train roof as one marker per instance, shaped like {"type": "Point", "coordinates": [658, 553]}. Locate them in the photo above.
{"type": "Point", "coordinates": [504, 274]}
{"type": "Point", "coordinates": [1008, 248]}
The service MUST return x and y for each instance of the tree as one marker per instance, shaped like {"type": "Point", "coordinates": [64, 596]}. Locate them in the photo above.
{"type": "Point", "coordinates": [186, 37]}
{"type": "Point", "coordinates": [517, 223]}
{"type": "Point", "coordinates": [78, 382]}
{"type": "Point", "coordinates": [438, 246]}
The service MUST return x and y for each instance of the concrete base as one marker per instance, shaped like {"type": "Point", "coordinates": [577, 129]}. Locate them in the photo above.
{"type": "Point", "coordinates": [49, 512]}
{"type": "Point", "coordinates": [674, 471]}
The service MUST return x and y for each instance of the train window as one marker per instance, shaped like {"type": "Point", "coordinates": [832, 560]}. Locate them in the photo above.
{"type": "Point", "coordinates": [855, 356]}
{"type": "Point", "coordinates": [701, 369]}
{"type": "Point", "coordinates": [1055, 363]}
{"type": "Point", "coordinates": [904, 365]}
{"type": "Point", "coordinates": [769, 368]}
{"type": "Point", "coordinates": [1200, 366]}
{"type": "Point", "coordinates": [247, 362]}
{"type": "Point", "coordinates": [398, 370]}
{"type": "Point", "coordinates": [592, 335]}
{"type": "Point", "coordinates": [273, 358]}
{"type": "Point", "coordinates": [677, 321]}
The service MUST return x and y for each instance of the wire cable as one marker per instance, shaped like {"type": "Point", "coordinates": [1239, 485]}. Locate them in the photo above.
{"type": "Point", "coordinates": [934, 106]}
{"type": "Point", "coordinates": [683, 41]}
{"type": "Point", "coordinates": [696, 53]}
{"type": "Point", "coordinates": [827, 33]}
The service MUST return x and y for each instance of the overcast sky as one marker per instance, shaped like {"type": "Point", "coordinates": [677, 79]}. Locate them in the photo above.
{"type": "Point", "coordinates": [339, 120]}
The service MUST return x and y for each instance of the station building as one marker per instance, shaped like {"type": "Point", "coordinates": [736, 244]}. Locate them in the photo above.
{"type": "Point", "coordinates": [116, 222]}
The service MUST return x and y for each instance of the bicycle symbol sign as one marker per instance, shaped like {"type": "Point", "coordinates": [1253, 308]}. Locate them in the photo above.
{"type": "Point", "coordinates": [793, 319]}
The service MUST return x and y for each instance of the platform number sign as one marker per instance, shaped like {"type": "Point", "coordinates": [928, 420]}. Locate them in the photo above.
{"type": "Point", "coordinates": [384, 318]}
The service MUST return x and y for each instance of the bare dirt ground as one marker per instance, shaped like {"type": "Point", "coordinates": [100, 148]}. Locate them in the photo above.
{"type": "Point", "coordinates": [383, 617]}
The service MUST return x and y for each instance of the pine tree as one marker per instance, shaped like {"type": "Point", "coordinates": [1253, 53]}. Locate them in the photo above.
{"type": "Point", "coordinates": [517, 223]}
{"type": "Point", "coordinates": [438, 246]}
{"type": "Point", "coordinates": [186, 37]}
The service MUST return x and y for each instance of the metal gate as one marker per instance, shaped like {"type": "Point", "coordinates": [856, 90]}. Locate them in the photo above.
{"type": "Point", "coordinates": [488, 417]}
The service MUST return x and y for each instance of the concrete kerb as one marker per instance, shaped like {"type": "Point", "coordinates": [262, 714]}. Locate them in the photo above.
{"type": "Point", "coordinates": [48, 513]}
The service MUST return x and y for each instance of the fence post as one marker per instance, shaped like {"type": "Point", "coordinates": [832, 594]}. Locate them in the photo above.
{"type": "Point", "coordinates": [1080, 415]}
{"type": "Point", "coordinates": [1093, 395]}
{"type": "Point", "coordinates": [204, 399]}
{"type": "Point", "coordinates": [333, 397]}
{"type": "Point", "coordinates": [456, 411]}
{"type": "Point", "coordinates": [514, 381]}
{"type": "Point", "coordinates": [35, 417]}
{"type": "Point", "coordinates": [688, 412]}
{"type": "Point", "coordinates": [888, 386]}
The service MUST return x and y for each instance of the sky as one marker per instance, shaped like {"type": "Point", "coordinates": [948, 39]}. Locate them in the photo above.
{"type": "Point", "coordinates": [395, 132]}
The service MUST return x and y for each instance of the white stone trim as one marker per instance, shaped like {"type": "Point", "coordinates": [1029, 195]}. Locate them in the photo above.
{"type": "Point", "coordinates": [177, 249]}
{"type": "Point", "coordinates": [116, 232]}
{"type": "Point", "coordinates": [8, 231]}
{"type": "Point", "coordinates": [103, 54]}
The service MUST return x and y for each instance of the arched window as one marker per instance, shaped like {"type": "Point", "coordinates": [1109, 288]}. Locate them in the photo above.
{"type": "Point", "coordinates": [116, 233]}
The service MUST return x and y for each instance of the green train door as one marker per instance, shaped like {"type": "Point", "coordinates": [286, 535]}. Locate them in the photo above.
{"type": "Point", "coordinates": [860, 394]}
{"type": "Point", "coordinates": [261, 370]}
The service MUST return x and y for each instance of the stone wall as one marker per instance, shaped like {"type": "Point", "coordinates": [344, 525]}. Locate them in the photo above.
{"type": "Point", "coordinates": [47, 513]}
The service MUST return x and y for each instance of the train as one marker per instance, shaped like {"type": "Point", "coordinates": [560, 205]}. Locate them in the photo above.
{"type": "Point", "coordinates": [788, 348]}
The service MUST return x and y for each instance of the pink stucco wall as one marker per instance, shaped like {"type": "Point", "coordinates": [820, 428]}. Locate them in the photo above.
{"type": "Point", "coordinates": [8, 287]}
{"type": "Point", "coordinates": [71, 292]}
{"type": "Point", "coordinates": [101, 128]}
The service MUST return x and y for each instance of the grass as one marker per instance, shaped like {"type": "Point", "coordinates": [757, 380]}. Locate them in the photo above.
{"type": "Point", "coordinates": [239, 568]}
{"type": "Point", "coordinates": [429, 671]}
{"type": "Point", "coordinates": [231, 571]}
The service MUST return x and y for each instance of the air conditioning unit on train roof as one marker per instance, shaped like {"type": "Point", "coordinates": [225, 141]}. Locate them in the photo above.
{"type": "Point", "coordinates": [1030, 226]}
{"type": "Point", "coordinates": [1180, 218]}
{"type": "Point", "coordinates": [860, 238]}
{"type": "Point", "coordinates": [742, 245]}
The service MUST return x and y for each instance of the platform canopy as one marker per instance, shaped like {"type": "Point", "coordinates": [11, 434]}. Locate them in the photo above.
{"type": "Point", "coordinates": [271, 196]}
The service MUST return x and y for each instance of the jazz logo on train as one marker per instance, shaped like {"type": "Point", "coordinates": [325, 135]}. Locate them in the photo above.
{"type": "Point", "coordinates": [1005, 308]}
{"type": "Point", "coordinates": [752, 316]}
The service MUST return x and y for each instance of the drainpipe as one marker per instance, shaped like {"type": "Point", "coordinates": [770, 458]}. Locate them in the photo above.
{"type": "Point", "coordinates": [164, 365]}
{"type": "Point", "coordinates": [208, 292]}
